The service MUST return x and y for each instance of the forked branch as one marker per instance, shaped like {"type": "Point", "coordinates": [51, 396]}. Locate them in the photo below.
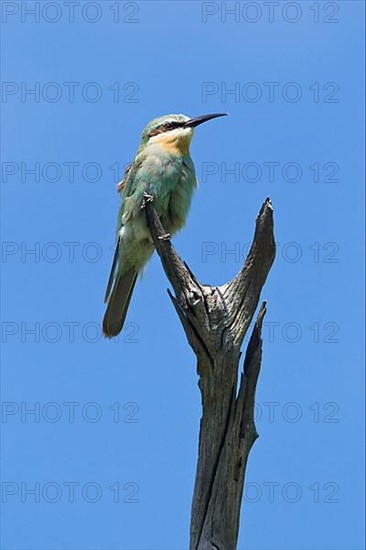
{"type": "Point", "coordinates": [215, 320]}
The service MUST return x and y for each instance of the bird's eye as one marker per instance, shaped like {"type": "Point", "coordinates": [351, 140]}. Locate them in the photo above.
{"type": "Point", "coordinates": [168, 126]}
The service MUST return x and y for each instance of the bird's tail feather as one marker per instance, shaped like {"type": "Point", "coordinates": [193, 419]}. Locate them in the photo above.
{"type": "Point", "coordinates": [118, 303]}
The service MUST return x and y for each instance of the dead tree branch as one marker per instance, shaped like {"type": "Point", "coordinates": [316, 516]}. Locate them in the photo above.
{"type": "Point", "coordinates": [215, 320]}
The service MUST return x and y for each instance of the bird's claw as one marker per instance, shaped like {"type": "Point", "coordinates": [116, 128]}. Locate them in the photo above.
{"type": "Point", "coordinates": [146, 198]}
{"type": "Point", "coordinates": [165, 237]}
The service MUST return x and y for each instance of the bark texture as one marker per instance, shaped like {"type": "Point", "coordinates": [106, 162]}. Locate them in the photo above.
{"type": "Point", "coordinates": [215, 320]}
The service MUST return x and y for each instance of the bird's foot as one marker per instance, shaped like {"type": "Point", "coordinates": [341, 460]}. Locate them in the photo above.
{"type": "Point", "coordinates": [165, 237]}
{"type": "Point", "coordinates": [146, 198]}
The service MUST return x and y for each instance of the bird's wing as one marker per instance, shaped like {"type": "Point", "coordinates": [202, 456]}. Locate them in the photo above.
{"type": "Point", "coordinates": [122, 184]}
{"type": "Point", "coordinates": [126, 188]}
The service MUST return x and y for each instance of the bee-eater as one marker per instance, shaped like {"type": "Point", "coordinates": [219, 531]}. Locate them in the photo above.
{"type": "Point", "coordinates": [163, 169]}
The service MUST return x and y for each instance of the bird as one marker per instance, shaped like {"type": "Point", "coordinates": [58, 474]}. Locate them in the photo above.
{"type": "Point", "coordinates": [163, 169]}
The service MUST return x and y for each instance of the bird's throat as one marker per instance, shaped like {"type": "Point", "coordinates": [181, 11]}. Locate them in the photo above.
{"type": "Point", "coordinates": [176, 143]}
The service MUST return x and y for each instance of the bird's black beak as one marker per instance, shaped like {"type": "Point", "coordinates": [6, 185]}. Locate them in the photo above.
{"type": "Point", "coordinates": [193, 122]}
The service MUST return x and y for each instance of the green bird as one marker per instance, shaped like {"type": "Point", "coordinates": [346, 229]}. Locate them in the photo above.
{"type": "Point", "coordinates": [163, 169]}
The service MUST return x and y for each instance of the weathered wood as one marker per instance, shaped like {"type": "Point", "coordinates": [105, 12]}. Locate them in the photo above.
{"type": "Point", "coordinates": [215, 320]}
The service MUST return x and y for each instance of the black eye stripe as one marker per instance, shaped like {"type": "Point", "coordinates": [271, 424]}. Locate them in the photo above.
{"type": "Point", "coordinates": [166, 127]}
{"type": "Point", "coordinates": [170, 125]}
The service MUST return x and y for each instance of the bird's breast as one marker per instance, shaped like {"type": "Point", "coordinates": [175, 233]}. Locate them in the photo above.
{"type": "Point", "coordinates": [170, 179]}
{"type": "Point", "coordinates": [179, 198]}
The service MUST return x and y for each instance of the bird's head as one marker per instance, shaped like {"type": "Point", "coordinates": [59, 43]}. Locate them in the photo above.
{"type": "Point", "coordinates": [173, 132]}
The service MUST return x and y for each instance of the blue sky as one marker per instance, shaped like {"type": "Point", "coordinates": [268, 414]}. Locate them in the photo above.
{"type": "Point", "coordinates": [110, 451]}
